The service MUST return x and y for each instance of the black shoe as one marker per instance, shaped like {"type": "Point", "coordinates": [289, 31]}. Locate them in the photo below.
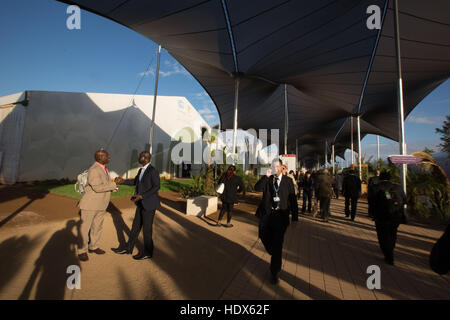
{"type": "Point", "coordinates": [141, 257]}
{"type": "Point", "coordinates": [121, 251]}
{"type": "Point", "coordinates": [97, 251]}
{"type": "Point", "coordinates": [389, 261]}
{"type": "Point", "coordinates": [83, 257]}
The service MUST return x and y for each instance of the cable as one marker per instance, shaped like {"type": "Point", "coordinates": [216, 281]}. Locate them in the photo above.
{"type": "Point", "coordinates": [132, 101]}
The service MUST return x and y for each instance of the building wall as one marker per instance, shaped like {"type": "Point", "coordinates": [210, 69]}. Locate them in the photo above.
{"type": "Point", "coordinates": [63, 130]}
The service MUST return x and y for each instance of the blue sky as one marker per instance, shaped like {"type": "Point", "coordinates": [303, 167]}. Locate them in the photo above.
{"type": "Point", "coordinates": [40, 53]}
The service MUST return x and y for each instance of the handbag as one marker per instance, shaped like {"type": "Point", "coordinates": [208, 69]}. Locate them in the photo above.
{"type": "Point", "coordinates": [220, 188]}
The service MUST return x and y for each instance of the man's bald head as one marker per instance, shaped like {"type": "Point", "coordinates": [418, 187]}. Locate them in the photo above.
{"type": "Point", "coordinates": [102, 156]}
{"type": "Point", "coordinates": [145, 157]}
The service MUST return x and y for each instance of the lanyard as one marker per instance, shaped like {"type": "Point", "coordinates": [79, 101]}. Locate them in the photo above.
{"type": "Point", "coordinates": [275, 186]}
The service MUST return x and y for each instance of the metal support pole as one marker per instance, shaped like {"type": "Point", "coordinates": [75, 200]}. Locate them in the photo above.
{"type": "Point", "coordinates": [351, 136]}
{"type": "Point", "coordinates": [285, 119]}
{"type": "Point", "coordinates": [154, 99]}
{"type": "Point", "coordinates": [358, 122]}
{"type": "Point", "coordinates": [401, 116]}
{"type": "Point", "coordinates": [235, 121]}
{"type": "Point", "coordinates": [332, 157]}
{"type": "Point", "coordinates": [326, 154]}
{"type": "Point", "coordinates": [296, 154]}
{"type": "Point", "coordinates": [378, 151]}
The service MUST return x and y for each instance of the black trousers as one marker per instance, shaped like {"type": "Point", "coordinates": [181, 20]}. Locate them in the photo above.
{"type": "Point", "coordinates": [387, 237]}
{"type": "Point", "coordinates": [336, 192]}
{"type": "Point", "coordinates": [142, 220]}
{"type": "Point", "coordinates": [324, 207]}
{"type": "Point", "coordinates": [272, 229]}
{"type": "Point", "coordinates": [307, 195]}
{"type": "Point", "coordinates": [228, 207]}
{"type": "Point", "coordinates": [354, 202]}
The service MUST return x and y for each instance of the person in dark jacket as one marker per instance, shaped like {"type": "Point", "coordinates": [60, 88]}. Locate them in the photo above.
{"type": "Point", "coordinates": [371, 191]}
{"type": "Point", "coordinates": [233, 185]}
{"type": "Point", "coordinates": [324, 193]}
{"type": "Point", "coordinates": [440, 254]}
{"type": "Point", "coordinates": [351, 189]}
{"type": "Point", "coordinates": [337, 185]}
{"type": "Point", "coordinates": [299, 179]}
{"type": "Point", "coordinates": [307, 187]}
{"type": "Point", "coordinates": [276, 204]}
{"type": "Point", "coordinates": [146, 198]}
{"type": "Point", "coordinates": [388, 213]}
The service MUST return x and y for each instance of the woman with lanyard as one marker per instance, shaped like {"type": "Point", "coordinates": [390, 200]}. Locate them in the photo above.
{"type": "Point", "coordinates": [233, 185]}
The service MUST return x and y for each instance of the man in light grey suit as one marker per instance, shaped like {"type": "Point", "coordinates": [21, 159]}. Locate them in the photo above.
{"type": "Point", "coordinates": [93, 205]}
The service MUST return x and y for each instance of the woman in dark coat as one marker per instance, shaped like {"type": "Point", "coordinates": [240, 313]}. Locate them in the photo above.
{"type": "Point", "coordinates": [233, 185]}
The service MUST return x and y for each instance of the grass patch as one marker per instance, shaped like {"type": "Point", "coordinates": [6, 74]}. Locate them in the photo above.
{"type": "Point", "coordinates": [68, 190]}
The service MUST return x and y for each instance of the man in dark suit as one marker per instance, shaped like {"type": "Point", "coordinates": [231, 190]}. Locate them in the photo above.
{"type": "Point", "coordinates": [276, 204]}
{"type": "Point", "coordinates": [351, 189]}
{"type": "Point", "coordinates": [147, 201]}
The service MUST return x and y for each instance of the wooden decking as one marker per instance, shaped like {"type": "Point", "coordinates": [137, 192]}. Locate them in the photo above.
{"type": "Point", "coordinates": [330, 260]}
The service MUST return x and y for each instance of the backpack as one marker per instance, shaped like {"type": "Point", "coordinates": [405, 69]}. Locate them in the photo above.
{"type": "Point", "coordinates": [389, 202]}
{"type": "Point", "coordinates": [82, 181]}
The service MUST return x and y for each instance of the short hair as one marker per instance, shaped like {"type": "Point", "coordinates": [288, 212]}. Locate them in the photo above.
{"type": "Point", "coordinates": [292, 171]}
{"type": "Point", "coordinates": [351, 171]}
{"type": "Point", "coordinates": [385, 175]}
{"type": "Point", "coordinates": [147, 153]}
{"type": "Point", "coordinates": [277, 160]}
{"type": "Point", "coordinates": [232, 166]}
{"type": "Point", "coordinates": [98, 153]}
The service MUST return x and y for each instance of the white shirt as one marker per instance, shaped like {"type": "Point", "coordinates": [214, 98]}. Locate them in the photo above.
{"type": "Point", "coordinates": [143, 170]}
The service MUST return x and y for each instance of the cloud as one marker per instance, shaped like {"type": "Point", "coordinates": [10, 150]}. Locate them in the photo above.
{"type": "Point", "coordinates": [174, 68]}
{"type": "Point", "coordinates": [205, 111]}
{"type": "Point", "coordinates": [146, 73]}
{"type": "Point", "coordinates": [426, 120]}
{"type": "Point", "coordinates": [209, 116]}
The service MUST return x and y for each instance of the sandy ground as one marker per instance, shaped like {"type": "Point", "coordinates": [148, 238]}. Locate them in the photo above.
{"type": "Point", "coordinates": [192, 259]}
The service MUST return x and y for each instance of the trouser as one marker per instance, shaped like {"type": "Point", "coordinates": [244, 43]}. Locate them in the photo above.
{"type": "Point", "coordinates": [91, 229]}
{"type": "Point", "coordinates": [336, 192]}
{"type": "Point", "coordinates": [324, 207]}
{"type": "Point", "coordinates": [387, 236]}
{"type": "Point", "coordinates": [272, 229]}
{"type": "Point", "coordinates": [307, 196]}
{"type": "Point", "coordinates": [226, 206]}
{"type": "Point", "coordinates": [142, 220]}
{"type": "Point", "coordinates": [354, 201]}
{"type": "Point", "coordinates": [371, 206]}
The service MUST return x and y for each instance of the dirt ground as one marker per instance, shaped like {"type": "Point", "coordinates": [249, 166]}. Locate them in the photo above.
{"type": "Point", "coordinates": [192, 258]}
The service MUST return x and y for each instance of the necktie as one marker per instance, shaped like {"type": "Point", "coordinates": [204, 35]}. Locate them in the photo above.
{"type": "Point", "coordinates": [107, 173]}
{"type": "Point", "coordinates": [139, 180]}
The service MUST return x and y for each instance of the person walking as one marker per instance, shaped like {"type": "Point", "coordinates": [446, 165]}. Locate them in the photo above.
{"type": "Point", "coordinates": [93, 205]}
{"type": "Point", "coordinates": [337, 186]}
{"type": "Point", "coordinates": [294, 182]}
{"type": "Point", "coordinates": [276, 204]}
{"type": "Point", "coordinates": [146, 199]}
{"type": "Point", "coordinates": [233, 185]}
{"type": "Point", "coordinates": [307, 187]}
{"type": "Point", "coordinates": [324, 193]}
{"type": "Point", "coordinates": [351, 189]}
{"type": "Point", "coordinates": [388, 214]}
{"type": "Point", "coordinates": [371, 191]}
{"type": "Point", "coordinates": [299, 179]}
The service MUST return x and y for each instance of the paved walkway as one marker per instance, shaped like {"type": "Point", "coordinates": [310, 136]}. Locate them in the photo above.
{"type": "Point", "coordinates": [330, 260]}
{"type": "Point", "coordinates": [195, 260]}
